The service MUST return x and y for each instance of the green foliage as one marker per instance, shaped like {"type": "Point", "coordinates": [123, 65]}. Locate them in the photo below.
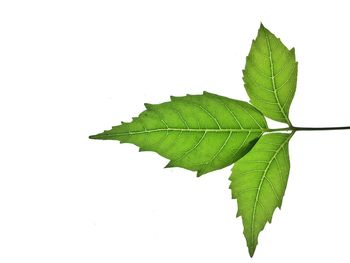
{"type": "Point", "coordinates": [270, 76]}
{"type": "Point", "coordinates": [207, 132]}
{"type": "Point", "coordinates": [201, 133]}
{"type": "Point", "coordinates": [258, 182]}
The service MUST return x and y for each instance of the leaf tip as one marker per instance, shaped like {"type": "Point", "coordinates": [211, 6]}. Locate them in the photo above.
{"type": "Point", "coordinates": [262, 27]}
{"type": "Point", "coordinates": [93, 137]}
{"type": "Point", "coordinates": [100, 136]}
{"type": "Point", "coordinates": [251, 250]}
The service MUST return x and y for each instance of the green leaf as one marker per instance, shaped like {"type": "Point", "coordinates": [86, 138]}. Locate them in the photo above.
{"type": "Point", "coordinates": [258, 182]}
{"type": "Point", "coordinates": [270, 76]}
{"type": "Point", "coordinates": [201, 133]}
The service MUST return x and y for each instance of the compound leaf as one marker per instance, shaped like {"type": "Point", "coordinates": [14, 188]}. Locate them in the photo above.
{"type": "Point", "coordinates": [270, 76]}
{"type": "Point", "coordinates": [258, 182]}
{"type": "Point", "coordinates": [201, 133]}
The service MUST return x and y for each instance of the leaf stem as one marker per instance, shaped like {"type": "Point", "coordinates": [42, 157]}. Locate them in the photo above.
{"type": "Point", "coordinates": [294, 129]}
{"type": "Point", "coordinates": [320, 128]}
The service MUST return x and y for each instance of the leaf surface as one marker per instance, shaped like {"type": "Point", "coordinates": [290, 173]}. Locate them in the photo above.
{"type": "Point", "coordinates": [258, 182]}
{"type": "Point", "coordinates": [270, 76]}
{"type": "Point", "coordinates": [201, 133]}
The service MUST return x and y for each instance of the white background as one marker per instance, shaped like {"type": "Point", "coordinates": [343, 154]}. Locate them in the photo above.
{"type": "Point", "coordinates": [69, 69]}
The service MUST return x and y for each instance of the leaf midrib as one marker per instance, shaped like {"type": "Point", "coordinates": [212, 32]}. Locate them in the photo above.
{"type": "Point", "coordinates": [186, 130]}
